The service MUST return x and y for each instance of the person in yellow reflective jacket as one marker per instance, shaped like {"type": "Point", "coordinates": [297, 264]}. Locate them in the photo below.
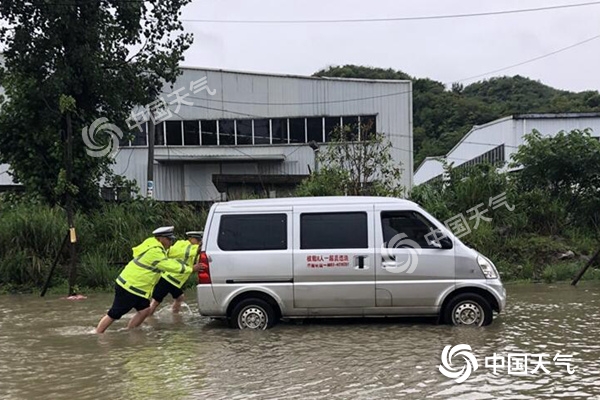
{"type": "Point", "coordinates": [136, 282]}
{"type": "Point", "coordinates": [185, 251]}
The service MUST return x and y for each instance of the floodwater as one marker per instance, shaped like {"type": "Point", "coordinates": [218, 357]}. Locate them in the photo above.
{"type": "Point", "coordinates": [47, 351]}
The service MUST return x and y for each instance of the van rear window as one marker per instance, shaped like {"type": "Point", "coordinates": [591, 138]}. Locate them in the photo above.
{"type": "Point", "coordinates": [253, 232]}
{"type": "Point", "coordinates": [334, 231]}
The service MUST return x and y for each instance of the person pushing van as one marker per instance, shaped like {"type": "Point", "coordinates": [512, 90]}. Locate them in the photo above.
{"type": "Point", "coordinates": [136, 282]}
{"type": "Point", "coordinates": [185, 251]}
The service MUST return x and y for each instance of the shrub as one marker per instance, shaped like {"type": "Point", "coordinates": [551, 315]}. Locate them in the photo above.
{"type": "Point", "coordinates": [31, 235]}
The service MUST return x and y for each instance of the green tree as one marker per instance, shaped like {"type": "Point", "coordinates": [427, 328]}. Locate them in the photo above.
{"type": "Point", "coordinates": [106, 55]}
{"type": "Point", "coordinates": [566, 165]}
{"type": "Point", "coordinates": [355, 167]}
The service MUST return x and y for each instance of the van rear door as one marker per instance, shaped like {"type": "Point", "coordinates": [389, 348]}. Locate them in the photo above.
{"type": "Point", "coordinates": [249, 247]}
{"type": "Point", "coordinates": [334, 264]}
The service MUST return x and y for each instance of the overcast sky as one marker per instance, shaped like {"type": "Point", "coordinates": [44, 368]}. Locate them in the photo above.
{"type": "Point", "coordinates": [445, 50]}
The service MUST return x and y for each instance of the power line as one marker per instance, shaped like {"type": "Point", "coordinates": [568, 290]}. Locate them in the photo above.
{"type": "Point", "coordinates": [533, 59]}
{"type": "Point", "coordinates": [395, 19]}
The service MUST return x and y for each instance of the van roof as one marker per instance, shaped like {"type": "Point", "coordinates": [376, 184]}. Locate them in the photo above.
{"type": "Point", "coordinates": [314, 201]}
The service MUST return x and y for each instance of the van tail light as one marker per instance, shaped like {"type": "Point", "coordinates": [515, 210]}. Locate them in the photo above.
{"type": "Point", "coordinates": [204, 273]}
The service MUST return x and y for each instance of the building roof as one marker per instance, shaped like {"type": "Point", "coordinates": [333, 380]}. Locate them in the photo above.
{"type": "Point", "coordinates": [432, 158]}
{"type": "Point", "coordinates": [555, 115]}
{"type": "Point", "coordinates": [322, 78]}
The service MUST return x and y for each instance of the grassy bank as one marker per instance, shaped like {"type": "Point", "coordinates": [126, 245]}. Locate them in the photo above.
{"type": "Point", "coordinates": [31, 235]}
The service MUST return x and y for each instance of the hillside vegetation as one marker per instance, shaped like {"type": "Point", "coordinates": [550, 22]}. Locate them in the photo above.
{"type": "Point", "coordinates": [442, 116]}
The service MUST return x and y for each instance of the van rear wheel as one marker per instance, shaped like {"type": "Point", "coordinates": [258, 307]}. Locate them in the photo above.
{"type": "Point", "coordinates": [468, 309]}
{"type": "Point", "coordinates": [252, 313]}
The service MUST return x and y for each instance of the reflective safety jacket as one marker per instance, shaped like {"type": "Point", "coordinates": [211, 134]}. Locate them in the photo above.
{"type": "Point", "coordinates": [143, 272]}
{"type": "Point", "coordinates": [183, 251]}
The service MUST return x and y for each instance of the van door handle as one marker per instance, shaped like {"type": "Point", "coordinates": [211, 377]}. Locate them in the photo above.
{"type": "Point", "coordinates": [359, 262]}
{"type": "Point", "coordinates": [389, 264]}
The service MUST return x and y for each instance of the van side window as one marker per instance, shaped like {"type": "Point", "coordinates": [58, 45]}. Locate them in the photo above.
{"type": "Point", "coordinates": [253, 232]}
{"type": "Point", "coordinates": [414, 225]}
{"type": "Point", "coordinates": [334, 231]}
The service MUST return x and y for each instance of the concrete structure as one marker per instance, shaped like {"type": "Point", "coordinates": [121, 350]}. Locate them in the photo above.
{"type": "Point", "coordinates": [496, 141]}
{"type": "Point", "coordinates": [231, 134]}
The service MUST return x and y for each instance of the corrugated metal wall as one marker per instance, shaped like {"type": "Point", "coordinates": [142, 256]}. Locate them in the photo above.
{"type": "Point", "coordinates": [248, 95]}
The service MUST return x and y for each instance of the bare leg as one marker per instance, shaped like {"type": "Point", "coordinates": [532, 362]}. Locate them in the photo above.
{"type": "Point", "coordinates": [104, 323]}
{"type": "Point", "coordinates": [138, 318]}
{"type": "Point", "coordinates": [153, 306]}
{"type": "Point", "coordinates": [177, 304]}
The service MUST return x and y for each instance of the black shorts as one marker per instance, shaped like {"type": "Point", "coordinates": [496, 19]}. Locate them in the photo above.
{"type": "Point", "coordinates": [163, 288]}
{"type": "Point", "coordinates": [125, 301]}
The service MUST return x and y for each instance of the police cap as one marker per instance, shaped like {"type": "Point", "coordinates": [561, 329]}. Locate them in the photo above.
{"type": "Point", "coordinates": [195, 234]}
{"type": "Point", "coordinates": [164, 231]}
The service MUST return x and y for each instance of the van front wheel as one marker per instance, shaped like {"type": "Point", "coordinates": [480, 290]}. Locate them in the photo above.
{"type": "Point", "coordinates": [468, 309]}
{"type": "Point", "coordinates": [252, 313]}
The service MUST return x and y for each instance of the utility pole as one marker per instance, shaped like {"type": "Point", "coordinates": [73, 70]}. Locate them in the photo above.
{"type": "Point", "coordinates": [315, 146]}
{"type": "Point", "coordinates": [151, 137]}
{"type": "Point", "coordinates": [69, 206]}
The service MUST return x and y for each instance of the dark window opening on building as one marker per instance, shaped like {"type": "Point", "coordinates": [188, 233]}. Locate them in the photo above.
{"type": "Point", "coordinates": [140, 135]}
{"type": "Point", "coordinates": [314, 129]}
{"type": "Point", "coordinates": [159, 134]}
{"type": "Point", "coordinates": [262, 133]}
{"type": "Point", "coordinates": [279, 129]}
{"type": "Point", "coordinates": [350, 128]}
{"type": "Point", "coordinates": [244, 131]}
{"type": "Point", "coordinates": [124, 141]}
{"type": "Point", "coordinates": [226, 132]}
{"type": "Point", "coordinates": [174, 137]}
{"type": "Point", "coordinates": [332, 127]}
{"type": "Point", "coordinates": [368, 127]}
{"type": "Point", "coordinates": [209, 132]}
{"type": "Point", "coordinates": [297, 130]}
{"type": "Point", "coordinates": [191, 133]}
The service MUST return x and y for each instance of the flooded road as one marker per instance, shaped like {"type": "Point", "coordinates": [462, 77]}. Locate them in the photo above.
{"type": "Point", "coordinates": [47, 351]}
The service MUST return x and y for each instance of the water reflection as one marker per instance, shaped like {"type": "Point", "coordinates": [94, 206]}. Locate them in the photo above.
{"type": "Point", "coordinates": [47, 350]}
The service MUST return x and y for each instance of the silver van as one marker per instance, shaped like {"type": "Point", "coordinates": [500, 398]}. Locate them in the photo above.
{"type": "Point", "coordinates": [263, 260]}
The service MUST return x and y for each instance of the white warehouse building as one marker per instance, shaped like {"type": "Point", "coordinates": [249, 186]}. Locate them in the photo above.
{"type": "Point", "coordinates": [233, 133]}
{"type": "Point", "coordinates": [496, 141]}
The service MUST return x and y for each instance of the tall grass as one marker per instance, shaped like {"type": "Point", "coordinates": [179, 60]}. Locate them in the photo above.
{"type": "Point", "coordinates": [525, 243]}
{"type": "Point", "coordinates": [31, 235]}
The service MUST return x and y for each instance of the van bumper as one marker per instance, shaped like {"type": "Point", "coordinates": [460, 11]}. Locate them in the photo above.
{"type": "Point", "coordinates": [207, 304]}
{"type": "Point", "coordinates": [496, 287]}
